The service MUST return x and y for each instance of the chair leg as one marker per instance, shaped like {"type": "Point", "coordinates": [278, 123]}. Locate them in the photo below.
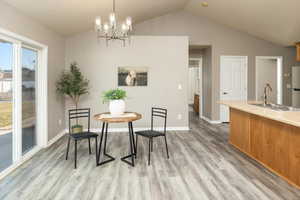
{"type": "Point", "coordinates": [96, 145]}
{"type": "Point", "coordinates": [136, 142]}
{"type": "Point", "coordinates": [75, 160]}
{"type": "Point", "coordinates": [68, 147]}
{"type": "Point", "coordinates": [90, 151]}
{"type": "Point", "coordinates": [167, 146]}
{"type": "Point", "coordinates": [149, 151]}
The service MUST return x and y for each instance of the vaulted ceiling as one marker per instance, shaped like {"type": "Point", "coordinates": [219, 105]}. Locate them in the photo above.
{"type": "Point", "coordinates": [73, 16]}
{"type": "Point", "coordinates": [277, 21]}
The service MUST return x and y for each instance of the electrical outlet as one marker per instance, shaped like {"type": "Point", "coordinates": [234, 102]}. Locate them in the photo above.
{"type": "Point", "coordinates": [59, 121]}
{"type": "Point", "coordinates": [179, 116]}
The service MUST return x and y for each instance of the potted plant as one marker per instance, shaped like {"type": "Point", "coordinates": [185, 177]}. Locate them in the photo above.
{"type": "Point", "coordinates": [73, 85]}
{"type": "Point", "coordinates": [116, 101]}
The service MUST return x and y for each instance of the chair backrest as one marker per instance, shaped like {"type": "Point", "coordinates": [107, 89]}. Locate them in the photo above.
{"type": "Point", "coordinates": [159, 112]}
{"type": "Point", "coordinates": [75, 114]}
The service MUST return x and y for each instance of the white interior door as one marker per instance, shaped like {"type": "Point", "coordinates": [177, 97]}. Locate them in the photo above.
{"type": "Point", "coordinates": [233, 81]}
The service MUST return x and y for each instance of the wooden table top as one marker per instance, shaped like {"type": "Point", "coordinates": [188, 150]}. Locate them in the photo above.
{"type": "Point", "coordinates": [117, 119]}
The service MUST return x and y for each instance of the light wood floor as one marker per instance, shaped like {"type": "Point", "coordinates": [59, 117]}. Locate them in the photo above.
{"type": "Point", "coordinates": [201, 166]}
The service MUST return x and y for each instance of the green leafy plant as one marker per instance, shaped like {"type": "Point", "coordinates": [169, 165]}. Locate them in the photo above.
{"type": "Point", "coordinates": [114, 94]}
{"type": "Point", "coordinates": [73, 84]}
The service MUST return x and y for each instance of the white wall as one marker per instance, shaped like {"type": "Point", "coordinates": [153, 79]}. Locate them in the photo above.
{"type": "Point", "coordinates": [166, 57]}
{"type": "Point", "coordinates": [15, 21]}
{"type": "Point", "coordinates": [207, 82]}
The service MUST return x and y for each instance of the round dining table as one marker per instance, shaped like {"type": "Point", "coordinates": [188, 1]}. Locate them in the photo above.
{"type": "Point", "coordinates": [106, 118]}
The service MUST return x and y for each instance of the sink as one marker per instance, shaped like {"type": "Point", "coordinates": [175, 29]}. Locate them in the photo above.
{"type": "Point", "coordinates": [276, 107]}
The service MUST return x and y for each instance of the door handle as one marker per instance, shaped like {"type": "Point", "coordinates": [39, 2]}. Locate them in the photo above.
{"type": "Point", "coordinates": [225, 93]}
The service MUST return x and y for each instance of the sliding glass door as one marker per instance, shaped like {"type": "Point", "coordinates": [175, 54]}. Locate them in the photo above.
{"type": "Point", "coordinates": [18, 122]}
{"type": "Point", "coordinates": [6, 103]}
{"type": "Point", "coordinates": [29, 63]}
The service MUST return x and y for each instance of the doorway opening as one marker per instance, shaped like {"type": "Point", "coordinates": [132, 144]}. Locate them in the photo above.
{"type": "Point", "coordinates": [195, 85]}
{"type": "Point", "coordinates": [268, 70]}
{"type": "Point", "coordinates": [195, 97]}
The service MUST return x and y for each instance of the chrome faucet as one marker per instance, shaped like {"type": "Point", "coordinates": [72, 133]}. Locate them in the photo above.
{"type": "Point", "coordinates": [268, 86]}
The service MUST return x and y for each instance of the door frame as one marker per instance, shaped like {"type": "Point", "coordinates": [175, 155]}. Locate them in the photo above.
{"type": "Point", "coordinates": [222, 57]}
{"type": "Point", "coordinates": [200, 67]}
{"type": "Point", "coordinates": [41, 94]}
{"type": "Point", "coordinates": [279, 77]}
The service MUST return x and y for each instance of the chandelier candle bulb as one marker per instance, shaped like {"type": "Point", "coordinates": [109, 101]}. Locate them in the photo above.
{"type": "Point", "coordinates": [98, 21]}
{"type": "Point", "coordinates": [128, 21]}
{"type": "Point", "coordinates": [124, 28]}
{"type": "Point", "coordinates": [112, 19]}
{"type": "Point", "coordinates": [98, 26]}
{"type": "Point", "coordinates": [105, 27]}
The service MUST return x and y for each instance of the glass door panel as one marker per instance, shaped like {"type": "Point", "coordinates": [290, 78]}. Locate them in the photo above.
{"type": "Point", "coordinates": [6, 104]}
{"type": "Point", "coordinates": [29, 64]}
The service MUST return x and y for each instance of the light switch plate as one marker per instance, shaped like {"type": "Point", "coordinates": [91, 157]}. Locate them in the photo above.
{"type": "Point", "coordinates": [179, 116]}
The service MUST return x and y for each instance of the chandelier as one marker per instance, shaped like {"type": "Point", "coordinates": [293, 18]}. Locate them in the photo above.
{"type": "Point", "coordinates": [111, 30]}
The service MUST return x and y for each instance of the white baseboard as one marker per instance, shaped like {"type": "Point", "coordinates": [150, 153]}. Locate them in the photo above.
{"type": "Point", "coordinates": [56, 138]}
{"type": "Point", "coordinates": [211, 121]}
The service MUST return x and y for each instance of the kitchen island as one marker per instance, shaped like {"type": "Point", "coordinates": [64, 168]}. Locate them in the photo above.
{"type": "Point", "coordinates": [270, 137]}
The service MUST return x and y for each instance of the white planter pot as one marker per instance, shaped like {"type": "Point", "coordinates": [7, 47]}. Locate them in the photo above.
{"type": "Point", "coordinates": [117, 107]}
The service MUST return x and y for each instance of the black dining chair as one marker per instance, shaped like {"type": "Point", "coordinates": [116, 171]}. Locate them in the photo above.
{"type": "Point", "coordinates": [76, 114]}
{"type": "Point", "coordinates": [156, 112]}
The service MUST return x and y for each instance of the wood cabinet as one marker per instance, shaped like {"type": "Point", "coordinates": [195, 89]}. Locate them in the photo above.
{"type": "Point", "coordinates": [294, 155]}
{"type": "Point", "coordinates": [239, 132]}
{"type": "Point", "coordinates": [256, 139]}
{"type": "Point", "coordinates": [273, 144]}
{"type": "Point", "coordinates": [298, 51]}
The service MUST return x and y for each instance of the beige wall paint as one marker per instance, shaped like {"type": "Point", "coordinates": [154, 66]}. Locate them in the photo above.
{"type": "Point", "coordinates": [206, 82]}
{"type": "Point", "coordinates": [266, 72]}
{"type": "Point", "coordinates": [195, 53]}
{"type": "Point", "coordinates": [15, 21]}
{"type": "Point", "coordinates": [167, 62]}
{"type": "Point", "coordinates": [224, 41]}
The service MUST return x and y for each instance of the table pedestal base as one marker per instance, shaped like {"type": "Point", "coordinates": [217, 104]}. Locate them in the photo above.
{"type": "Point", "coordinates": [128, 162]}
{"type": "Point", "coordinates": [111, 158]}
{"type": "Point", "coordinates": [106, 161]}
